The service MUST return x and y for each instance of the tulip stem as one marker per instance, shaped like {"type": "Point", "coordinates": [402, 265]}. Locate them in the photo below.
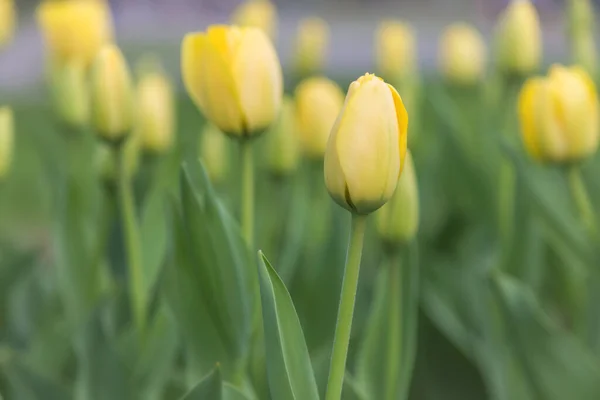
{"type": "Point", "coordinates": [395, 327]}
{"type": "Point", "coordinates": [343, 327]}
{"type": "Point", "coordinates": [582, 200]}
{"type": "Point", "coordinates": [247, 193]}
{"type": "Point", "coordinates": [132, 241]}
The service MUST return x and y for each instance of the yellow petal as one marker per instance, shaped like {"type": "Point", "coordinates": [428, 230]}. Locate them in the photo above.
{"type": "Point", "coordinates": [258, 79]}
{"type": "Point", "coordinates": [402, 117]}
{"type": "Point", "coordinates": [529, 130]}
{"type": "Point", "coordinates": [193, 53]}
{"type": "Point", "coordinates": [334, 175]}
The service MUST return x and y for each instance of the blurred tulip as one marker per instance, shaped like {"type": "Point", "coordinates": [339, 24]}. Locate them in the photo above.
{"type": "Point", "coordinates": [214, 153]}
{"type": "Point", "coordinates": [283, 147]}
{"type": "Point", "coordinates": [8, 20]}
{"type": "Point", "coordinates": [559, 115]}
{"type": "Point", "coordinates": [395, 50]}
{"type": "Point", "coordinates": [367, 146]}
{"type": "Point", "coordinates": [398, 219]}
{"type": "Point", "coordinates": [519, 39]}
{"type": "Point", "coordinates": [70, 89]}
{"type": "Point", "coordinates": [75, 29]}
{"type": "Point", "coordinates": [318, 103]}
{"type": "Point", "coordinates": [584, 52]}
{"type": "Point", "coordinates": [234, 76]}
{"type": "Point", "coordinates": [6, 140]}
{"type": "Point", "coordinates": [112, 94]}
{"type": "Point", "coordinates": [462, 54]}
{"type": "Point", "coordinates": [260, 14]}
{"type": "Point", "coordinates": [155, 122]}
{"type": "Point", "coordinates": [312, 43]}
{"type": "Point", "coordinates": [580, 15]}
{"type": "Point", "coordinates": [107, 159]}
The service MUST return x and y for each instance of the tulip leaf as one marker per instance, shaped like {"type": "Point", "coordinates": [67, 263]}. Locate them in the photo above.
{"type": "Point", "coordinates": [23, 383]}
{"type": "Point", "coordinates": [210, 285]}
{"type": "Point", "coordinates": [289, 369]}
{"type": "Point", "coordinates": [387, 354]}
{"type": "Point", "coordinates": [209, 388]}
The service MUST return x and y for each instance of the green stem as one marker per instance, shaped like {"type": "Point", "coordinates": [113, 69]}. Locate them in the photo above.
{"type": "Point", "coordinates": [506, 201]}
{"type": "Point", "coordinates": [346, 309]}
{"type": "Point", "coordinates": [395, 330]}
{"type": "Point", "coordinates": [132, 242]}
{"type": "Point", "coordinates": [247, 193]}
{"type": "Point", "coordinates": [582, 200]}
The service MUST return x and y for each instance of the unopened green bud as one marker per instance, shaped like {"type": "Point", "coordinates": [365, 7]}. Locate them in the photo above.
{"type": "Point", "coordinates": [283, 146]}
{"type": "Point", "coordinates": [71, 93]}
{"type": "Point", "coordinates": [214, 153]}
{"type": "Point", "coordinates": [6, 140]}
{"type": "Point", "coordinates": [112, 95]}
{"type": "Point", "coordinates": [107, 162]}
{"type": "Point", "coordinates": [398, 220]}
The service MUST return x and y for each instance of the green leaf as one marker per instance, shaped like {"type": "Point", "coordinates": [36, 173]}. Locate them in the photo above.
{"type": "Point", "coordinates": [352, 390]}
{"type": "Point", "coordinates": [153, 231]}
{"type": "Point", "coordinates": [209, 388]}
{"type": "Point", "coordinates": [556, 364]}
{"type": "Point", "coordinates": [387, 354]}
{"type": "Point", "coordinates": [26, 384]}
{"type": "Point", "coordinates": [289, 369]}
{"type": "Point", "coordinates": [231, 393]}
{"type": "Point", "coordinates": [212, 281]}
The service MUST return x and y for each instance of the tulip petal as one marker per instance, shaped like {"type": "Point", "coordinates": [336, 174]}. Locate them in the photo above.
{"type": "Point", "coordinates": [334, 175]}
{"type": "Point", "coordinates": [526, 105]}
{"type": "Point", "coordinates": [258, 78]}
{"type": "Point", "coordinates": [402, 117]}
{"type": "Point", "coordinates": [366, 147]}
{"type": "Point", "coordinates": [192, 54]}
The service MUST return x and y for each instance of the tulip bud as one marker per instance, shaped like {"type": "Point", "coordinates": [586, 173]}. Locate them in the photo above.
{"type": "Point", "coordinates": [462, 55]}
{"type": "Point", "coordinates": [234, 76]}
{"type": "Point", "coordinates": [318, 103]}
{"type": "Point", "coordinates": [398, 220]}
{"type": "Point", "coordinates": [112, 96]}
{"type": "Point", "coordinates": [155, 113]}
{"type": "Point", "coordinates": [107, 162]}
{"type": "Point", "coordinates": [559, 115]}
{"type": "Point", "coordinates": [312, 43]}
{"type": "Point", "coordinates": [75, 29]}
{"type": "Point", "coordinates": [518, 39]}
{"type": "Point", "coordinates": [581, 16]}
{"type": "Point", "coordinates": [584, 52]}
{"type": "Point", "coordinates": [214, 153]}
{"type": "Point", "coordinates": [6, 140]}
{"type": "Point", "coordinates": [71, 93]}
{"type": "Point", "coordinates": [260, 14]}
{"type": "Point", "coordinates": [396, 50]}
{"type": "Point", "coordinates": [367, 146]}
{"type": "Point", "coordinates": [7, 21]}
{"type": "Point", "coordinates": [283, 141]}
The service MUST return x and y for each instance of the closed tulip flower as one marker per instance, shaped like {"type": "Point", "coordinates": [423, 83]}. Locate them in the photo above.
{"type": "Point", "coordinates": [7, 21]}
{"type": "Point", "coordinates": [155, 112]}
{"type": "Point", "coordinates": [318, 103]}
{"type": "Point", "coordinates": [260, 14]}
{"type": "Point", "coordinates": [70, 88]}
{"type": "Point", "coordinates": [398, 219]}
{"type": "Point", "coordinates": [559, 115]}
{"type": "Point", "coordinates": [214, 153]}
{"type": "Point", "coordinates": [234, 76]}
{"type": "Point", "coordinates": [283, 147]}
{"type": "Point", "coordinates": [395, 49]}
{"type": "Point", "coordinates": [112, 95]}
{"type": "Point", "coordinates": [75, 29]}
{"type": "Point", "coordinates": [367, 146]}
{"type": "Point", "coordinates": [6, 140]}
{"type": "Point", "coordinates": [462, 54]}
{"type": "Point", "coordinates": [519, 39]}
{"type": "Point", "coordinates": [312, 43]}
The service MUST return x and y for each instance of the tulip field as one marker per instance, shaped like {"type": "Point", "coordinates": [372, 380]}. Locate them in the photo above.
{"type": "Point", "coordinates": [239, 230]}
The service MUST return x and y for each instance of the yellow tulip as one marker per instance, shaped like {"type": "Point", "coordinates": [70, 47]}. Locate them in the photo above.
{"type": "Point", "coordinates": [234, 76]}
{"type": "Point", "coordinates": [519, 39]}
{"type": "Point", "coordinates": [395, 49]}
{"type": "Point", "coordinates": [8, 20]}
{"type": "Point", "coordinates": [112, 94]}
{"type": "Point", "coordinates": [6, 140]}
{"type": "Point", "coordinates": [559, 115]}
{"type": "Point", "coordinates": [318, 103]}
{"type": "Point", "coordinates": [75, 29]}
{"type": "Point", "coordinates": [214, 153]}
{"type": "Point", "coordinates": [398, 220]}
{"type": "Point", "coordinates": [462, 54]}
{"type": "Point", "coordinates": [367, 146]}
{"type": "Point", "coordinates": [260, 14]}
{"type": "Point", "coordinates": [70, 88]}
{"type": "Point", "coordinates": [155, 113]}
{"type": "Point", "coordinates": [312, 43]}
{"type": "Point", "coordinates": [282, 142]}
